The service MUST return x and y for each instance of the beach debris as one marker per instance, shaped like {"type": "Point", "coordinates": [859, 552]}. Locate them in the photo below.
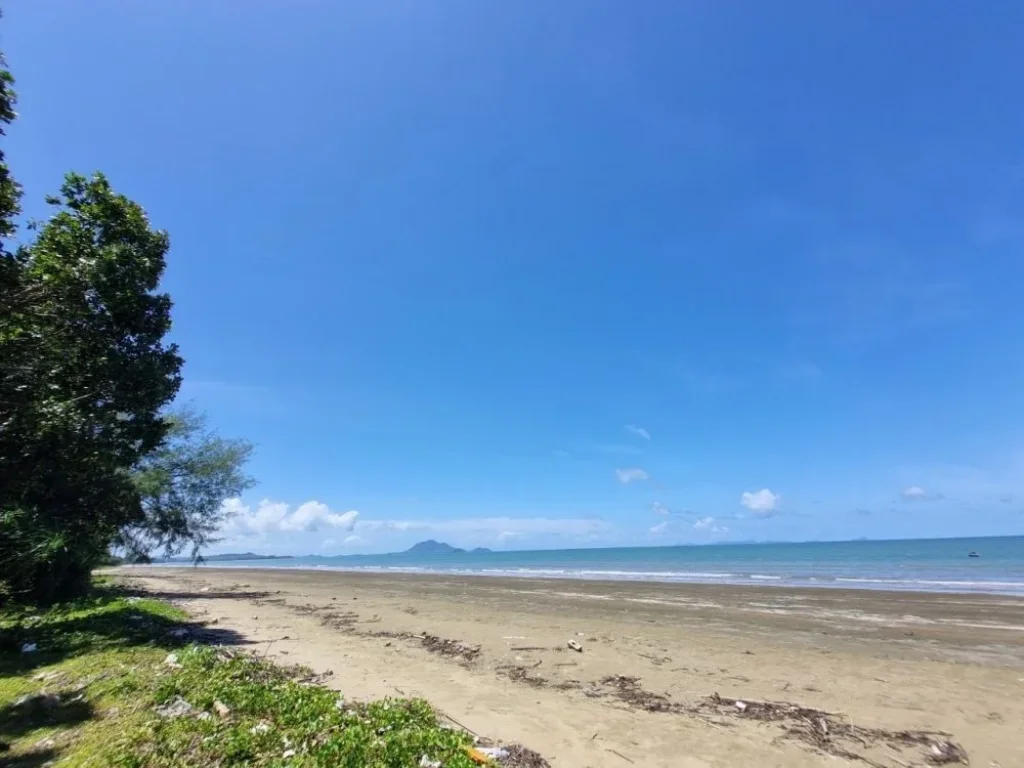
{"type": "Point", "coordinates": [426, 762]}
{"type": "Point", "coordinates": [492, 753]}
{"type": "Point", "coordinates": [260, 727]}
{"type": "Point", "coordinates": [575, 646]}
{"type": "Point", "coordinates": [629, 691]}
{"type": "Point", "coordinates": [29, 648]}
{"type": "Point", "coordinates": [943, 752]}
{"type": "Point", "coordinates": [172, 661]}
{"type": "Point", "coordinates": [477, 756]}
{"type": "Point", "coordinates": [222, 709]}
{"type": "Point", "coordinates": [518, 756]}
{"type": "Point", "coordinates": [439, 645]}
{"type": "Point", "coordinates": [833, 734]}
{"type": "Point", "coordinates": [520, 674]}
{"type": "Point", "coordinates": [176, 707]}
{"type": "Point", "coordinates": [619, 754]}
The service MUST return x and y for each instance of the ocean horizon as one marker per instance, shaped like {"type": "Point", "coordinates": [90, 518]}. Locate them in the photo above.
{"type": "Point", "coordinates": [926, 565]}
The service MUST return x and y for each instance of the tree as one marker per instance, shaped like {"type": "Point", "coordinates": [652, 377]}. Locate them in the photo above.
{"type": "Point", "coordinates": [182, 484]}
{"type": "Point", "coordinates": [88, 458]}
{"type": "Point", "coordinates": [86, 375]}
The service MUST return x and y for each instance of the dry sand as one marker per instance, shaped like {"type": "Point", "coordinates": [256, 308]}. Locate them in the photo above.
{"type": "Point", "coordinates": [879, 661]}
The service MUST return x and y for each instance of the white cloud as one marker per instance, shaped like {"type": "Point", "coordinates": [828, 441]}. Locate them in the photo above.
{"type": "Point", "coordinates": [917, 493]}
{"type": "Point", "coordinates": [708, 524]}
{"type": "Point", "coordinates": [274, 517]}
{"type": "Point", "coordinates": [762, 503]}
{"type": "Point", "coordinates": [660, 509]}
{"type": "Point", "coordinates": [638, 431]}
{"type": "Point", "coordinates": [627, 476]}
{"type": "Point", "coordinates": [353, 540]}
{"type": "Point", "coordinates": [659, 529]}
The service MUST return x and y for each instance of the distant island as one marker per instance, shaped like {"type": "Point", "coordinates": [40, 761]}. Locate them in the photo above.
{"type": "Point", "coordinates": [432, 547]}
{"type": "Point", "coordinates": [227, 558]}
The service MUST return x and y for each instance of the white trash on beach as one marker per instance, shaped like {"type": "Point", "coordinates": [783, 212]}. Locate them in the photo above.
{"type": "Point", "coordinates": [495, 753]}
{"type": "Point", "coordinates": [575, 646]}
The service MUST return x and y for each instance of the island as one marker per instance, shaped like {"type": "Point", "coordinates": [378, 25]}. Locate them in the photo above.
{"type": "Point", "coordinates": [225, 558]}
{"type": "Point", "coordinates": [432, 547]}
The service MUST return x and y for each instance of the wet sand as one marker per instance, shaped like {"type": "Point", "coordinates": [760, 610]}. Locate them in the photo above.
{"type": "Point", "coordinates": [492, 653]}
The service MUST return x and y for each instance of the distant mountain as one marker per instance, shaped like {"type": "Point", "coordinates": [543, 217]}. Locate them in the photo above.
{"type": "Point", "coordinates": [480, 551]}
{"type": "Point", "coordinates": [431, 547]}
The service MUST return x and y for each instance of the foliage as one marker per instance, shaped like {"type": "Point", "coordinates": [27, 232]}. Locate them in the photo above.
{"type": "Point", "coordinates": [80, 399]}
{"type": "Point", "coordinates": [103, 658]}
{"type": "Point", "coordinates": [10, 192]}
{"type": "Point", "coordinates": [181, 484]}
{"type": "Point", "coordinates": [87, 457]}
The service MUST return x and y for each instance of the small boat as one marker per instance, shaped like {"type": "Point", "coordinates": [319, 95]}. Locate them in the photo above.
{"type": "Point", "coordinates": [973, 554]}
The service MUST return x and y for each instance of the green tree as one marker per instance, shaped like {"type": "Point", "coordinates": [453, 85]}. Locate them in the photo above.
{"type": "Point", "coordinates": [81, 404]}
{"type": "Point", "coordinates": [88, 458]}
{"type": "Point", "coordinates": [182, 484]}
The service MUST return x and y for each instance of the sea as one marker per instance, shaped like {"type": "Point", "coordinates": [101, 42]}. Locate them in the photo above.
{"type": "Point", "coordinates": [929, 565]}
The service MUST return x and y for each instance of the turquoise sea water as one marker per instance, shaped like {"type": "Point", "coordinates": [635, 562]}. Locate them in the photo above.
{"type": "Point", "coordinates": [939, 565]}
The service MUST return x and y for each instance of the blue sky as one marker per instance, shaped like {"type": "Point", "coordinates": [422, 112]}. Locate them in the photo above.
{"type": "Point", "coordinates": [583, 273]}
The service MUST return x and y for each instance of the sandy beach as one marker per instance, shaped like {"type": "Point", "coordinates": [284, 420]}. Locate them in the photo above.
{"type": "Point", "coordinates": [854, 677]}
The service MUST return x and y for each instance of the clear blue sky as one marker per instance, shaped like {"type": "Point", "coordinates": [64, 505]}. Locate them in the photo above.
{"type": "Point", "coordinates": [535, 274]}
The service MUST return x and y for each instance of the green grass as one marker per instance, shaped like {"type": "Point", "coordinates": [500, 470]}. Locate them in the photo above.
{"type": "Point", "coordinates": [100, 673]}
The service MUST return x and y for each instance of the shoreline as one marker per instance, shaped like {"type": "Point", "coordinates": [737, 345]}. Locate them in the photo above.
{"type": "Point", "coordinates": [839, 583]}
{"type": "Point", "coordinates": [495, 655]}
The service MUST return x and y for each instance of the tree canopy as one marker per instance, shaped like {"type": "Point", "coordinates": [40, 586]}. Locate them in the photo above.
{"type": "Point", "coordinates": [89, 457]}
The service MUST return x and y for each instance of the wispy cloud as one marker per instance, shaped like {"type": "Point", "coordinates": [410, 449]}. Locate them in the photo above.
{"type": "Point", "coordinates": [631, 475]}
{"type": "Point", "coordinates": [917, 493]}
{"type": "Point", "coordinates": [762, 503]}
{"type": "Point", "coordinates": [276, 517]}
{"type": "Point", "coordinates": [709, 524]}
{"type": "Point", "coordinates": [659, 530]}
{"type": "Point", "coordinates": [660, 509]}
{"type": "Point", "coordinates": [638, 431]}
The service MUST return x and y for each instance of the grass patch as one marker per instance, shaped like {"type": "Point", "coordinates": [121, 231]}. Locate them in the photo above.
{"type": "Point", "coordinates": [101, 689]}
